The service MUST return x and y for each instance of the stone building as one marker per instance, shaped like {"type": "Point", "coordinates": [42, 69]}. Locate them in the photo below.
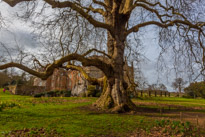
{"type": "Point", "coordinates": [74, 81]}
{"type": "Point", "coordinates": [60, 80]}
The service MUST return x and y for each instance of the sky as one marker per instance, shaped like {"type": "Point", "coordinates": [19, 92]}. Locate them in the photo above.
{"type": "Point", "coordinates": [21, 35]}
{"type": "Point", "coordinates": [14, 31]}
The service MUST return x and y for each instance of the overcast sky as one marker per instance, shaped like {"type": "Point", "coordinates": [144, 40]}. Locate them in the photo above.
{"type": "Point", "coordinates": [21, 32]}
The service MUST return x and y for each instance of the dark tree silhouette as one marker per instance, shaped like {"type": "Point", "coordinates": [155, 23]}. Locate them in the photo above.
{"type": "Point", "coordinates": [179, 84]}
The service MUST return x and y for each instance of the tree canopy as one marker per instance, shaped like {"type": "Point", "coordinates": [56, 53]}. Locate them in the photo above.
{"type": "Point", "coordinates": [195, 89]}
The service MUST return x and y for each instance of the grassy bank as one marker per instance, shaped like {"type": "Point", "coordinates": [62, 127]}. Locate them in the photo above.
{"type": "Point", "coordinates": [173, 101]}
{"type": "Point", "coordinates": [69, 117]}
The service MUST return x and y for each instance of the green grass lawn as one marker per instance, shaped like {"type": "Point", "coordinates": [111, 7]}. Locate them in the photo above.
{"type": "Point", "coordinates": [64, 115]}
{"type": "Point", "coordinates": [69, 116]}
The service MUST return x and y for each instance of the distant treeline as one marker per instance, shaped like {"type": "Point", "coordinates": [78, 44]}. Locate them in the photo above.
{"type": "Point", "coordinates": [195, 89]}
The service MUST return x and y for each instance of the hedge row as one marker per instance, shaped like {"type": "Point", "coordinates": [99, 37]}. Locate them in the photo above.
{"type": "Point", "coordinates": [62, 93]}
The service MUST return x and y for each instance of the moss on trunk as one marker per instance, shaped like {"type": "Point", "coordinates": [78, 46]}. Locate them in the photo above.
{"type": "Point", "coordinates": [115, 98]}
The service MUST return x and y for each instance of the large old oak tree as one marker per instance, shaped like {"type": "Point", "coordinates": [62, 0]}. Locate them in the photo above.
{"type": "Point", "coordinates": [116, 16]}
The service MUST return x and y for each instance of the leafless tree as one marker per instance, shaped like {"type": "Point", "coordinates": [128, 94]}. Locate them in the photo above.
{"type": "Point", "coordinates": [162, 87]}
{"type": "Point", "coordinates": [179, 84]}
{"type": "Point", "coordinates": [157, 87]}
{"type": "Point", "coordinates": [121, 19]}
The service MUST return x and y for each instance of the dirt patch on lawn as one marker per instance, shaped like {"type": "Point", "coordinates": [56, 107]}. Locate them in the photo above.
{"type": "Point", "coordinates": [93, 110]}
{"type": "Point", "coordinates": [33, 132]}
{"type": "Point", "coordinates": [174, 112]}
{"type": "Point", "coordinates": [179, 113]}
{"type": "Point", "coordinates": [57, 101]}
{"type": "Point", "coordinates": [48, 100]}
{"type": "Point", "coordinates": [166, 132]}
{"type": "Point", "coordinates": [170, 106]}
{"type": "Point", "coordinates": [80, 100]}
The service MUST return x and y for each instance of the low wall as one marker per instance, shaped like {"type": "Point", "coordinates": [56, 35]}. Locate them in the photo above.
{"type": "Point", "coordinates": [26, 90]}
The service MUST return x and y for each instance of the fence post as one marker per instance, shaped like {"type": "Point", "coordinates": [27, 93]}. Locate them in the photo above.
{"type": "Point", "coordinates": [197, 120]}
{"type": "Point", "coordinates": [155, 93]}
{"type": "Point", "coordinates": [160, 111]}
{"type": "Point", "coordinates": [181, 116]}
{"type": "Point", "coordinates": [149, 92]}
{"type": "Point", "coordinates": [141, 93]}
{"type": "Point", "coordinates": [165, 93]}
{"type": "Point", "coordinates": [160, 93]}
{"type": "Point", "coordinates": [169, 94]}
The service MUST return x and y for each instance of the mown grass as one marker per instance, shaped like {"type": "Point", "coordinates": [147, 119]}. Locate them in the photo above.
{"type": "Point", "coordinates": [64, 115]}
{"type": "Point", "coordinates": [69, 116]}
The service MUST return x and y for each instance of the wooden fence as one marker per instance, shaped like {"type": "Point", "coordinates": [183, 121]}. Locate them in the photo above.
{"type": "Point", "coordinates": [152, 93]}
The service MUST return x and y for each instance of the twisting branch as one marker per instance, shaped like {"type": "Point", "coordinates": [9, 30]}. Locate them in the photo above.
{"type": "Point", "coordinates": [98, 10]}
{"type": "Point", "coordinates": [38, 62]}
{"type": "Point", "coordinates": [164, 25]}
{"type": "Point", "coordinates": [160, 16]}
{"type": "Point", "coordinates": [106, 68]}
{"type": "Point", "coordinates": [24, 68]}
{"type": "Point", "coordinates": [101, 4]}
{"type": "Point", "coordinates": [85, 75]}
{"type": "Point", "coordinates": [91, 50]}
{"type": "Point", "coordinates": [166, 19]}
{"type": "Point", "coordinates": [155, 4]}
{"type": "Point", "coordinates": [13, 3]}
{"type": "Point", "coordinates": [173, 11]}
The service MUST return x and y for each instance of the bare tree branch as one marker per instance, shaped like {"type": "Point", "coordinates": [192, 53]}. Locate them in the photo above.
{"type": "Point", "coordinates": [85, 75]}
{"type": "Point", "coordinates": [73, 6]}
{"type": "Point", "coordinates": [50, 68]}
{"type": "Point", "coordinates": [162, 25]}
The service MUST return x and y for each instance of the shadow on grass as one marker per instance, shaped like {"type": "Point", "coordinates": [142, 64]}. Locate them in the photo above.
{"type": "Point", "coordinates": [156, 113]}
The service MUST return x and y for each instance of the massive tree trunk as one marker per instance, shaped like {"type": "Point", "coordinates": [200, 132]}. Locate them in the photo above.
{"type": "Point", "coordinates": [115, 96]}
